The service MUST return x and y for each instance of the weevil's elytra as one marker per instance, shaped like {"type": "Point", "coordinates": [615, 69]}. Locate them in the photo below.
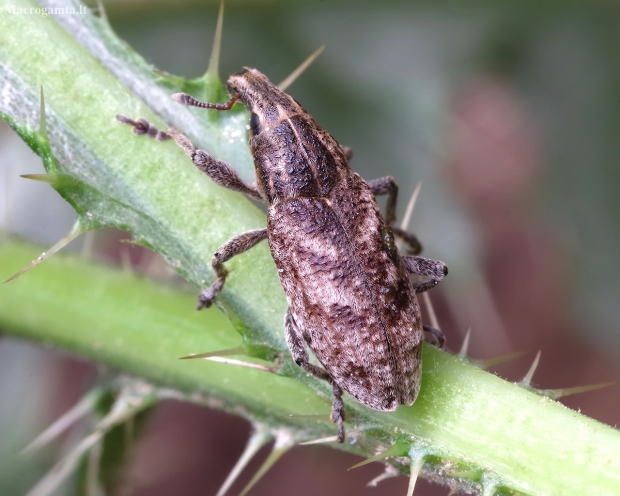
{"type": "Point", "coordinates": [350, 297]}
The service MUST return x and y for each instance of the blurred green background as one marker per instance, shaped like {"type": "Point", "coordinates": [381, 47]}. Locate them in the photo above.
{"type": "Point", "coordinates": [508, 113]}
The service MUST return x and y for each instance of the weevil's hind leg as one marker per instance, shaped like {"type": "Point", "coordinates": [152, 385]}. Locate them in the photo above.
{"type": "Point", "coordinates": [440, 339]}
{"type": "Point", "coordinates": [426, 267]}
{"type": "Point", "coordinates": [220, 172]}
{"type": "Point", "coordinates": [296, 343]}
{"type": "Point", "coordinates": [414, 247]}
{"type": "Point", "coordinates": [233, 247]}
{"type": "Point", "coordinates": [387, 186]}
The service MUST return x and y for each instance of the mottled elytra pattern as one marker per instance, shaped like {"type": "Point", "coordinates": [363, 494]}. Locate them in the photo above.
{"type": "Point", "coordinates": [348, 289]}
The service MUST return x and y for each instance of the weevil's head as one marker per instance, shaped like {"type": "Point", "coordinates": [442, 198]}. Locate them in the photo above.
{"type": "Point", "coordinates": [263, 99]}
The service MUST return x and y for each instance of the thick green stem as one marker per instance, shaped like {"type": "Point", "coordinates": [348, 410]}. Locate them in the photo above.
{"type": "Point", "coordinates": [471, 427]}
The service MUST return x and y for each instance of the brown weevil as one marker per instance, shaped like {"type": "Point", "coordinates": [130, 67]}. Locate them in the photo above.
{"type": "Point", "coordinates": [350, 298]}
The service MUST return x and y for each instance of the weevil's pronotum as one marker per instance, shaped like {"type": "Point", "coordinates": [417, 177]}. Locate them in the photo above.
{"type": "Point", "coordinates": [350, 298]}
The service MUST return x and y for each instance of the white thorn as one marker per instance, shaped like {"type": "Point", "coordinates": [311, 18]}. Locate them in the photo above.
{"type": "Point", "coordinates": [75, 231]}
{"type": "Point", "coordinates": [214, 60]}
{"type": "Point", "coordinates": [283, 443]}
{"type": "Point", "coordinates": [82, 408]}
{"type": "Point", "coordinates": [297, 72]}
{"type": "Point", "coordinates": [257, 441]}
{"type": "Point", "coordinates": [240, 363]}
{"type": "Point", "coordinates": [414, 471]}
{"type": "Point", "coordinates": [410, 206]}
{"type": "Point", "coordinates": [465, 346]}
{"type": "Point", "coordinates": [329, 439]}
{"type": "Point", "coordinates": [530, 373]}
{"type": "Point", "coordinates": [432, 316]}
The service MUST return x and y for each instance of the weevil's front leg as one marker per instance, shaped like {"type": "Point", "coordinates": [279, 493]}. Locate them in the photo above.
{"type": "Point", "coordinates": [220, 172]}
{"type": "Point", "coordinates": [296, 343]}
{"type": "Point", "coordinates": [433, 269]}
{"type": "Point", "coordinates": [233, 247]}
{"type": "Point", "coordinates": [387, 186]}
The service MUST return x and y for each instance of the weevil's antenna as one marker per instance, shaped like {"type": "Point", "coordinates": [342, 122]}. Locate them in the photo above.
{"type": "Point", "coordinates": [190, 101]}
{"type": "Point", "coordinates": [214, 60]}
{"type": "Point", "coordinates": [297, 72]}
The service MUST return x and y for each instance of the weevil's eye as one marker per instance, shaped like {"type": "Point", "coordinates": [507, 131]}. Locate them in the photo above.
{"type": "Point", "coordinates": [254, 124]}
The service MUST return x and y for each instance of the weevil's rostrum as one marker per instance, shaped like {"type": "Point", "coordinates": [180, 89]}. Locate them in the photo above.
{"type": "Point", "coordinates": [348, 289]}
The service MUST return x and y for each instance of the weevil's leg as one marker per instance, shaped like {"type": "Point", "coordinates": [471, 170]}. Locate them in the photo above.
{"type": "Point", "coordinates": [142, 126]}
{"type": "Point", "coordinates": [220, 172]}
{"type": "Point", "coordinates": [414, 246]}
{"type": "Point", "coordinates": [387, 186]}
{"type": "Point", "coordinates": [232, 247]}
{"type": "Point", "coordinates": [440, 339]}
{"type": "Point", "coordinates": [434, 269]}
{"type": "Point", "coordinates": [296, 343]}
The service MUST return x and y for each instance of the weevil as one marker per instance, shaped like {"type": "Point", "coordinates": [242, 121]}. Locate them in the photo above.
{"type": "Point", "coordinates": [350, 297]}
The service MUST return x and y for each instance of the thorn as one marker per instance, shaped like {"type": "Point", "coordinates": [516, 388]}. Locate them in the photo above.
{"type": "Point", "coordinates": [214, 60]}
{"type": "Point", "coordinates": [397, 449]}
{"type": "Point", "coordinates": [297, 72]}
{"type": "Point", "coordinates": [44, 178]}
{"type": "Point", "coordinates": [241, 363]}
{"type": "Point", "coordinates": [487, 364]}
{"type": "Point", "coordinates": [42, 120]}
{"type": "Point", "coordinates": [283, 443]}
{"type": "Point", "coordinates": [417, 460]}
{"type": "Point", "coordinates": [125, 260]}
{"type": "Point", "coordinates": [257, 440]}
{"type": "Point", "coordinates": [465, 346]}
{"type": "Point", "coordinates": [388, 472]}
{"type": "Point", "coordinates": [93, 465]}
{"type": "Point", "coordinates": [87, 247]}
{"type": "Point", "coordinates": [75, 231]}
{"type": "Point", "coordinates": [556, 394]}
{"type": "Point", "coordinates": [218, 356]}
{"type": "Point", "coordinates": [82, 408]}
{"type": "Point", "coordinates": [410, 206]}
{"type": "Point", "coordinates": [59, 472]}
{"type": "Point", "coordinates": [239, 350]}
{"type": "Point", "coordinates": [488, 489]}
{"type": "Point", "coordinates": [134, 397]}
{"type": "Point", "coordinates": [432, 316]}
{"type": "Point", "coordinates": [101, 12]}
{"type": "Point", "coordinates": [530, 373]}
{"type": "Point", "coordinates": [329, 439]}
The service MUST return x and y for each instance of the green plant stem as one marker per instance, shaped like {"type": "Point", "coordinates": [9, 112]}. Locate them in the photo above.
{"type": "Point", "coordinates": [463, 414]}
{"type": "Point", "coordinates": [473, 428]}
